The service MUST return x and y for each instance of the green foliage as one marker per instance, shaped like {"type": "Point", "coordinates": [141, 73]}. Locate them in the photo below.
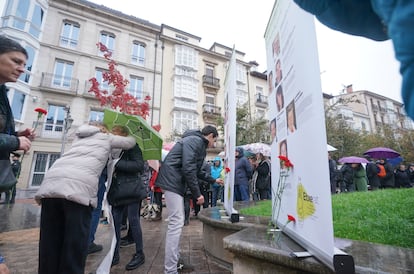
{"type": "Point", "coordinates": [382, 216]}
{"type": "Point", "coordinates": [248, 130]}
{"type": "Point", "coordinates": [349, 142]}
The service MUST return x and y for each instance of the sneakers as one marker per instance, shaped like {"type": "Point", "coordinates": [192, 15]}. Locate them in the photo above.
{"type": "Point", "coordinates": [182, 267]}
{"type": "Point", "coordinates": [136, 261]}
{"type": "Point", "coordinates": [125, 241]}
{"type": "Point", "coordinates": [93, 248]}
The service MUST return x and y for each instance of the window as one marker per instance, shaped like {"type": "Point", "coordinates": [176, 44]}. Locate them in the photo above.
{"type": "Point", "coordinates": [25, 77]}
{"type": "Point", "coordinates": [99, 77]}
{"type": "Point", "coordinates": [70, 35]}
{"type": "Point", "coordinates": [42, 162]}
{"type": "Point", "coordinates": [184, 120]}
{"type": "Point", "coordinates": [209, 70]}
{"type": "Point", "coordinates": [36, 22]}
{"type": "Point", "coordinates": [108, 40]}
{"type": "Point", "coordinates": [96, 116]}
{"type": "Point", "coordinates": [17, 103]}
{"type": "Point", "coordinates": [185, 56]}
{"type": "Point", "coordinates": [185, 87]}
{"type": "Point", "coordinates": [185, 104]}
{"type": "Point", "coordinates": [136, 87]}
{"type": "Point", "coordinates": [242, 96]}
{"type": "Point", "coordinates": [241, 73]}
{"type": "Point", "coordinates": [210, 103]}
{"type": "Point", "coordinates": [138, 53]}
{"type": "Point", "coordinates": [63, 74]}
{"type": "Point", "coordinates": [54, 122]}
{"type": "Point", "coordinates": [24, 15]}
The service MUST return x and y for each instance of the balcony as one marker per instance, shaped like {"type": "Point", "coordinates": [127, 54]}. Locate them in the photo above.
{"type": "Point", "coordinates": [59, 83]}
{"type": "Point", "coordinates": [211, 113]}
{"type": "Point", "coordinates": [261, 100]}
{"type": "Point", "coordinates": [211, 82]}
{"type": "Point", "coordinates": [54, 131]}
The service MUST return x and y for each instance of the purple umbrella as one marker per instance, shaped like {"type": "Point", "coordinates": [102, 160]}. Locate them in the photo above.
{"type": "Point", "coordinates": [353, 160]}
{"type": "Point", "coordinates": [381, 153]}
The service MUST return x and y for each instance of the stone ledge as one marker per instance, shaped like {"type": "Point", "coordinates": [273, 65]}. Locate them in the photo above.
{"type": "Point", "coordinates": [234, 244]}
{"type": "Point", "coordinates": [255, 243]}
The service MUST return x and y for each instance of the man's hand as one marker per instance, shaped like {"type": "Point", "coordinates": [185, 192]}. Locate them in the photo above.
{"type": "Point", "coordinates": [29, 133]}
{"type": "Point", "coordinates": [220, 181]}
{"type": "Point", "coordinates": [200, 200]}
{"type": "Point", "coordinates": [24, 143]}
{"type": "Point", "coordinates": [4, 269]}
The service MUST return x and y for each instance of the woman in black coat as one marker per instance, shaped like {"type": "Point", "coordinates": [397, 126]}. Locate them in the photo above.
{"type": "Point", "coordinates": [263, 177]}
{"type": "Point", "coordinates": [127, 191]}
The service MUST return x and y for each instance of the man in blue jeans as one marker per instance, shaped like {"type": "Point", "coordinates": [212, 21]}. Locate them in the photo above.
{"type": "Point", "coordinates": [180, 170]}
{"type": "Point", "coordinates": [96, 213]}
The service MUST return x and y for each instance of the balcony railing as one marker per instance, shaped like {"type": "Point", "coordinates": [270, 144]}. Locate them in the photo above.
{"type": "Point", "coordinates": [211, 113]}
{"type": "Point", "coordinates": [211, 81]}
{"type": "Point", "coordinates": [211, 109]}
{"type": "Point", "coordinates": [52, 130]}
{"type": "Point", "coordinates": [59, 82]}
{"type": "Point", "coordinates": [261, 100]}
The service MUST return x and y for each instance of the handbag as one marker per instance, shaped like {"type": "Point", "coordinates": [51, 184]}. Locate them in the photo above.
{"type": "Point", "coordinates": [126, 190]}
{"type": "Point", "coordinates": [7, 178]}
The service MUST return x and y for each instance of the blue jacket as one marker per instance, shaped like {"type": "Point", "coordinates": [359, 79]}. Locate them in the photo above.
{"type": "Point", "coordinates": [377, 20]}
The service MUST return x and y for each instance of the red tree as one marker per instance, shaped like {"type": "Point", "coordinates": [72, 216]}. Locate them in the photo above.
{"type": "Point", "coordinates": [118, 99]}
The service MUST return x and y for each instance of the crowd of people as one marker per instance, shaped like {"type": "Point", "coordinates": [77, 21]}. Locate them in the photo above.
{"type": "Point", "coordinates": [374, 175]}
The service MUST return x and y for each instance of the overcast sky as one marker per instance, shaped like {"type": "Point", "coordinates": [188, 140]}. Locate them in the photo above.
{"type": "Point", "coordinates": [344, 59]}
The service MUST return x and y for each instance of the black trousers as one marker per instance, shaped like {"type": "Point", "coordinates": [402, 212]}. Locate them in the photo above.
{"type": "Point", "coordinates": [64, 232]}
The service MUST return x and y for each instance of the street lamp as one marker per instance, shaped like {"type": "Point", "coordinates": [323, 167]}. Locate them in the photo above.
{"type": "Point", "coordinates": [66, 126]}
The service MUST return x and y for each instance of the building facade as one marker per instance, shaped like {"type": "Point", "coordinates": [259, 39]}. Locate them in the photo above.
{"type": "Point", "coordinates": [185, 81]}
{"type": "Point", "coordinates": [367, 111]}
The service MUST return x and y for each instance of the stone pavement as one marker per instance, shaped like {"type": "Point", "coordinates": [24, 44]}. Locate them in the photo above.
{"type": "Point", "coordinates": [19, 236]}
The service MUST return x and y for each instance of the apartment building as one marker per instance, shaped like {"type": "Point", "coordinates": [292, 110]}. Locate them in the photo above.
{"type": "Point", "coordinates": [367, 111]}
{"type": "Point", "coordinates": [184, 80]}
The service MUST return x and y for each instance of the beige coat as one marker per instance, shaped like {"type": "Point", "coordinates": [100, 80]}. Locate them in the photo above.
{"type": "Point", "coordinates": [75, 175]}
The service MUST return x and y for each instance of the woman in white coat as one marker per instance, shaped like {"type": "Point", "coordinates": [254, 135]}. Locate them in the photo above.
{"type": "Point", "coordinates": [68, 194]}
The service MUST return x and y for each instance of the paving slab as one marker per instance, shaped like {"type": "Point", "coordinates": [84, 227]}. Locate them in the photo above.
{"type": "Point", "coordinates": [19, 238]}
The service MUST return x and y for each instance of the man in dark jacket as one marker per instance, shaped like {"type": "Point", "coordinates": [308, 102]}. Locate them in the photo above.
{"type": "Point", "coordinates": [372, 174]}
{"type": "Point", "coordinates": [181, 169]}
{"type": "Point", "coordinates": [388, 180]}
{"type": "Point", "coordinates": [243, 173]}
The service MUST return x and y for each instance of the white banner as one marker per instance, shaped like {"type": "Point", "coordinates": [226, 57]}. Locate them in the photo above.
{"type": "Point", "coordinates": [230, 87]}
{"type": "Point", "coordinates": [297, 123]}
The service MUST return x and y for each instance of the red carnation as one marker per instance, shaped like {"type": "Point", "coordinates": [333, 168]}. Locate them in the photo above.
{"type": "Point", "coordinates": [41, 111]}
{"type": "Point", "coordinates": [291, 218]}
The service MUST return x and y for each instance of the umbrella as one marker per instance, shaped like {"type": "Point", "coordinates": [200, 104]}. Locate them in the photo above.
{"type": "Point", "coordinates": [258, 148]}
{"type": "Point", "coordinates": [330, 148]}
{"type": "Point", "coordinates": [148, 139]}
{"type": "Point", "coordinates": [381, 153]}
{"type": "Point", "coordinates": [353, 160]}
{"type": "Point", "coordinates": [395, 161]}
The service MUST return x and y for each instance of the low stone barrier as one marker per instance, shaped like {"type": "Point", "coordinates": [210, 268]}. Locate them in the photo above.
{"type": "Point", "coordinates": [245, 247]}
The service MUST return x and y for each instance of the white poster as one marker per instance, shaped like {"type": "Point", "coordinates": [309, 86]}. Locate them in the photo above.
{"type": "Point", "coordinates": [297, 123]}
{"type": "Point", "coordinates": [230, 133]}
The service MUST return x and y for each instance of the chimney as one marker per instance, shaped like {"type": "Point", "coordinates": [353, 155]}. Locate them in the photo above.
{"type": "Point", "coordinates": [349, 89]}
